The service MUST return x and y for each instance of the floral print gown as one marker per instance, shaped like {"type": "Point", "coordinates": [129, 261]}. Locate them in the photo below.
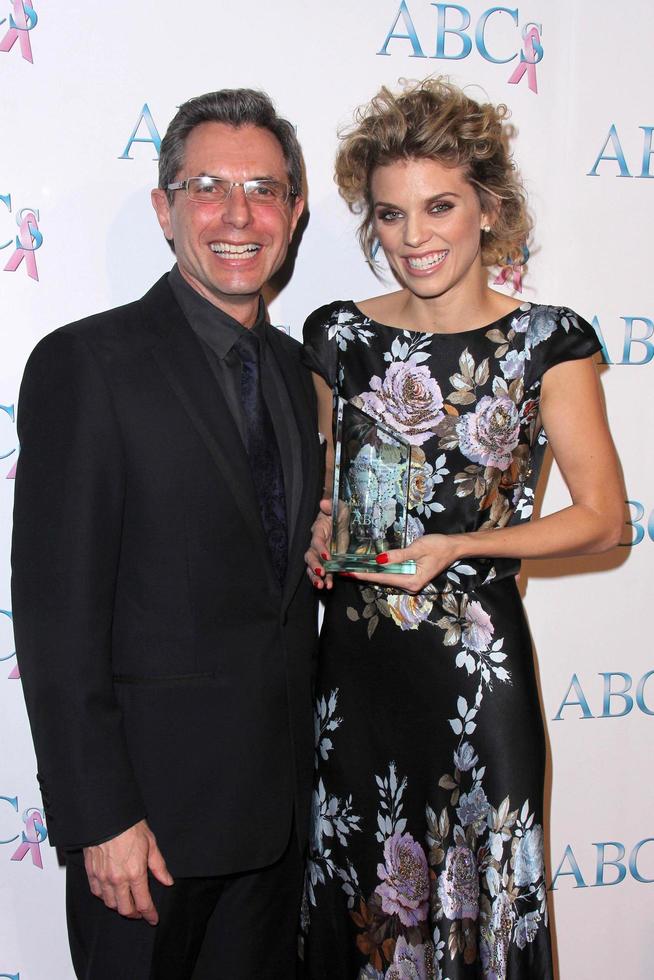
{"type": "Point", "coordinates": [426, 853]}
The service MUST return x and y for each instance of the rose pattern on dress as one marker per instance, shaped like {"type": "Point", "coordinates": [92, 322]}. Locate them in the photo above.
{"type": "Point", "coordinates": [458, 884]}
{"type": "Point", "coordinates": [408, 400]}
{"type": "Point", "coordinates": [490, 434]}
{"type": "Point", "coordinates": [408, 611]}
{"type": "Point", "coordinates": [473, 808]}
{"type": "Point", "coordinates": [411, 962]}
{"type": "Point", "coordinates": [422, 482]}
{"type": "Point", "coordinates": [528, 860]}
{"type": "Point", "coordinates": [496, 938]}
{"type": "Point", "coordinates": [478, 630]}
{"type": "Point", "coordinates": [513, 366]}
{"type": "Point", "coordinates": [404, 890]}
{"type": "Point", "coordinates": [541, 325]}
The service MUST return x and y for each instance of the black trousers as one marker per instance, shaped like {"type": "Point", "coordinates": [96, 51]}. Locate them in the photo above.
{"type": "Point", "coordinates": [232, 927]}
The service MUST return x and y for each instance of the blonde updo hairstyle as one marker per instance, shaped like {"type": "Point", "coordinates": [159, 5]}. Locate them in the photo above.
{"type": "Point", "coordinates": [434, 119]}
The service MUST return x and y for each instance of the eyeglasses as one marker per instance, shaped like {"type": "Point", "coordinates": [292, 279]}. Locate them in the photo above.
{"type": "Point", "coordinates": [216, 190]}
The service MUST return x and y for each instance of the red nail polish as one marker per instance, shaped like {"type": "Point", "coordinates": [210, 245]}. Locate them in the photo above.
{"type": "Point", "coordinates": [346, 574]}
{"type": "Point", "coordinates": [318, 570]}
{"type": "Point", "coordinates": [324, 555]}
{"type": "Point", "coordinates": [381, 559]}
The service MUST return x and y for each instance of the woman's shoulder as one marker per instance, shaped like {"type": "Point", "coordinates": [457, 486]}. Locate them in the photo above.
{"type": "Point", "coordinates": [549, 317]}
{"type": "Point", "coordinates": [325, 313]}
{"type": "Point", "coordinates": [556, 310]}
{"type": "Point", "coordinates": [553, 334]}
{"type": "Point", "coordinates": [325, 332]}
{"type": "Point", "coordinates": [330, 319]}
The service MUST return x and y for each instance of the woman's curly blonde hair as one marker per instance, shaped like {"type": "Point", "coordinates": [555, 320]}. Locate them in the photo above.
{"type": "Point", "coordinates": [434, 119]}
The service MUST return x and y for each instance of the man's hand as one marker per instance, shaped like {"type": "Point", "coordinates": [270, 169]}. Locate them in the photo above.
{"type": "Point", "coordinates": [118, 872]}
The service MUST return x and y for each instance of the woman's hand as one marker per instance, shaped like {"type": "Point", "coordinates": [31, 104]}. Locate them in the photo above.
{"type": "Point", "coordinates": [318, 551]}
{"type": "Point", "coordinates": [432, 553]}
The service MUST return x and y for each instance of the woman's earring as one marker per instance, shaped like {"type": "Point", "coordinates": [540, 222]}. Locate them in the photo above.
{"type": "Point", "coordinates": [486, 228]}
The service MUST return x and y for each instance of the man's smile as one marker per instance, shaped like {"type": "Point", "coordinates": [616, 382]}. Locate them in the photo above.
{"type": "Point", "coordinates": [232, 251]}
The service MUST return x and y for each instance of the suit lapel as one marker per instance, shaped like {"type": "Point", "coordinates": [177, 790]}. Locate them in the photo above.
{"type": "Point", "coordinates": [184, 365]}
{"type": "Point", "coordinates": [304, 411]}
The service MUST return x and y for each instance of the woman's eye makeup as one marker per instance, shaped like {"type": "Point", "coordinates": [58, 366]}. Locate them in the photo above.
{"type": "Point", "coordinates": [441, 207]}
{"type": "Point", "coordinates": [388, 215]}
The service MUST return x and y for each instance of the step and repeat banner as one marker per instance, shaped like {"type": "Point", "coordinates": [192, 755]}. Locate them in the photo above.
{"type": "Point", "coordinates": [87, 93]}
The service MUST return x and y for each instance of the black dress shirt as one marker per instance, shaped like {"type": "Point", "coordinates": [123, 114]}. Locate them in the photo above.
{"type": "Point", "coordinates": [218, 333]}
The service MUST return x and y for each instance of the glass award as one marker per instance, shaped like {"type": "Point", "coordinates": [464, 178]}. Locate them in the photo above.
{"type": "Point", "coordinates": [372, 470]}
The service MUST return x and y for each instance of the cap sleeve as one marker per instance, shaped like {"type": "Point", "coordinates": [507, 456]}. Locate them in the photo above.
{"type": "Point", "coordinates": [320, 351]}
{"type": "Point", "coordinates": [554, 334]}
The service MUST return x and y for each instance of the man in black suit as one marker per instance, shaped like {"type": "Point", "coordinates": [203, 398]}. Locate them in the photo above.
{"type": "Point", "coordinates": [170, 469]}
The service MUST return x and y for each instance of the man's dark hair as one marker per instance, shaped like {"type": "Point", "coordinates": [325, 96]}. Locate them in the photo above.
{"type": "Point", "coordinates": [235, 107]}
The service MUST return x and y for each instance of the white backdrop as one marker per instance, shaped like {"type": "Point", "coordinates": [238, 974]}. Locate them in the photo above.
{"type": "Point", "coordinates": [75, 190]}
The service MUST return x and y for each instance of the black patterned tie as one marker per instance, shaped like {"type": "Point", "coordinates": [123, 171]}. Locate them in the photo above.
{"type": "Point", "coordinates": [263, 452]}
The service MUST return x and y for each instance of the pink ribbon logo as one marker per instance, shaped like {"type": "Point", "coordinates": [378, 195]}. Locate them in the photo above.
{"type": "Point", "coordinates": [513, 270]}
{"type": "Point", "coordinates": [11, 475]}
{"type": "Point", "coordinates": [531, 54]}
{"type": "Point", "coordinates": [32, 838]}
{"type": "Point", "coordinates": [28, 239]}
{"type": "Point", "coordinates": [21, 22]}
{"type": "Point", "coordinates": [507, 272]}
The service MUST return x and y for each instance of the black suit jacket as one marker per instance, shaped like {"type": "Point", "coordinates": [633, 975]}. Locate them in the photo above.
{"type": "Point", "coordinates": [167, 674]}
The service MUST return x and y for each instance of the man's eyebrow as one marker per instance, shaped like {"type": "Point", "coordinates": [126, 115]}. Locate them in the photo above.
{"type": "Point", "coordinates": [205, 173]}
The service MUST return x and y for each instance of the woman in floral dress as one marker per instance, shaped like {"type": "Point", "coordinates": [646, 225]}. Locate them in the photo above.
{"type": "Point", "coordinates": [427, 843]}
